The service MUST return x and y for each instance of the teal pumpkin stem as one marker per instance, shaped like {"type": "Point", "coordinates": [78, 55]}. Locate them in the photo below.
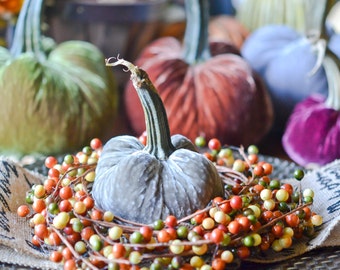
{"type": "Point", "coordinates": [27, 35]}
{"type": "Point", "coordinates": [36, 13]}
{"type": "Point", "coordinates": [157, 127]}
{"type": "Point", "coordinates": [196, 44]}
{"type": "Point", "coordinates": [18, 43]}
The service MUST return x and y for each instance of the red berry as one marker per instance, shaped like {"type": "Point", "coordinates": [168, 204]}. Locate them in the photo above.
{"type": "Point", "coordinates": [41, 231]}
{"type": "Point", "coordinates": [258, 170]}
{"type": "Point", "coordinates": [66, 193]}
{"type": "Point", "coordinates": [147, 232]}
{"type": "Point", "coordinates": [292, 220]}
{"type": "Point", "coordinates": [56, 256]}
{"type": "Point", "coordinates": [243, 252]}
{"type": "Point", "coordinates": [50, 162]}
{"type": "Point", "coordinates": [236, 202]}
{"type": "Point", "coordinates": [118, 250]}
{"type": "Point", "coordinates": [171, 221]}
{"type": "Point", "coordinates": [214, 144]}
{"type": "Point", "coordinates": [218, 264]}
{"type": "Point", "coordinates": [163, 236]}
{"type": "Point", "coordinates": [65, 206]}
{"type": "Point", "coordinates": [216, 236]}
{"type": "Point", "coordinates": [245, 223]}
{"type": "Point", "coordinates": [53, 173]}
{"type": "Point", "coordinates": [96, 144]}
{"type": "Point", "coordinates": [234, 227]}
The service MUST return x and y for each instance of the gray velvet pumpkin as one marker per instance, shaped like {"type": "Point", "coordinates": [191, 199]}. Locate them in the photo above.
{"type": "Point", "coordinates": [167, 176]}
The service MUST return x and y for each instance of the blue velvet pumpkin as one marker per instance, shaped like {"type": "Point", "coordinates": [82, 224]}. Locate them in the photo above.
{"type": "Point", "coordinates": [284, 58]}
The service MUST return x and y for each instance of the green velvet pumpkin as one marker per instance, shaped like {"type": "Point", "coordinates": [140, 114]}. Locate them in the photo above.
{"type": "Point", "coordinates": [54, 98]}
{"type": "Point", "coordinates": [167, 176]}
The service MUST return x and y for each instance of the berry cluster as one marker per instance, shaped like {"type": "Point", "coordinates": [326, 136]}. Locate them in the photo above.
{"type": "Point", "coordinates": [257, 213]}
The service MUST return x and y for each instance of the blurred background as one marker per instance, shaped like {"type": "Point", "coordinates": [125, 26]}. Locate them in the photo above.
{"type": "Point", "coordinates": [126, 27]}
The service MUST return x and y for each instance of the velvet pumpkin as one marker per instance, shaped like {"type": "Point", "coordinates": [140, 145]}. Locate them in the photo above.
{"type": "Point", "coordinates": [166, 177]}
{"type": "Point", "coordinates": [54, 98]}
{"type": "Point", "coordinates": [333, 17]}
{"type": "Point", "coordinates": [332, 25]}
{"type": "Point", "coordinates": [205, 88]}
{"type": "Point", "coordinates": [285, 60]}
{"type": "Point", "coordinates": [228, 29]}
{"type": "Point", "coordinates": [301, 15]}
{"type": "Point", "coordinates": [334, 44]}
{"type": "Point", "coordinates": [312, 135]}
{"type": "Point", "coordinates": [290, 61]}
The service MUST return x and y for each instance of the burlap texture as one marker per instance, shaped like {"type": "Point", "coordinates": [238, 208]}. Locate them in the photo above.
{"type": "Point", "coordinates": [15, 232]}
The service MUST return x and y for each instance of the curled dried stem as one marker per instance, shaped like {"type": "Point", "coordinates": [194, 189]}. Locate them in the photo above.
{"type": "Point", "coordinates": [131, 67]}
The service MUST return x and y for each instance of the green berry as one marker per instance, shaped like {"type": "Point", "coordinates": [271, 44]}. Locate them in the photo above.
{"type": "Point", "coordinates": [274, 184]}
{"type": "Point", "coordinates": [299, 174]}
{"type": "Point", "coordinates": [182, 231]}
{"type": "Point", "coordinates": [68, 159]}
{"type": "Point", "coordinates": [252, 149]}
{"type": "Point", "coordinates": [135, 257]}
{"type": "Point", "coordinates": [200, 141]}
{"type": "Point", "coordinates": [96, 242]}
{"type": "Point", "coordinates": [136, 237]}
{"type": "Point", "coordinates": [87, 150]}
{"type": "Point", "coordinates": [158, 224]}
{"type": "Point", "coordinates": [248, 241]}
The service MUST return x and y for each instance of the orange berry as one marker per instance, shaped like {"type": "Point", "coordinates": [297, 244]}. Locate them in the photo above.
{"type": "Point", "coordinates": [50, 185]}
{"type": "Point", "coordinates": [38, 205]}
{"type": "Point", "coordinates": [23, 210]}
{"type": "Point", "coordinates": [218, 264]}
{"type": "Point", "coordinates": [163, 236]}
{"type": "Point", "coordinates": [56, 256]}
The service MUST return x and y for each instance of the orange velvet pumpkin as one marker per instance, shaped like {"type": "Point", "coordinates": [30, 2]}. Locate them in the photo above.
{"type": "Point", "coordinates": [229, 29]}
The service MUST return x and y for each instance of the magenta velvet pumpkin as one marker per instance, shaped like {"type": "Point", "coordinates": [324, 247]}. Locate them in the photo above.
{"type": "Point", "coordinates": [312, 134]}
{"type": "Point", "coordinates": [207, 88]}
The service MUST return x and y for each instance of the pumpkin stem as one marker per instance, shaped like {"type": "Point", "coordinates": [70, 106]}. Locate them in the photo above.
{"type": "Point", "coordinates": [27, 35]}
{"type": "Point", "coordinates": [159, 140]}
{"type": "Point", "coordinates": [328, 7]}
{"type": "Point", "coordinates": [320, 38]}
{"type": "Point", "coordinates": [196, 43]}
{"type": "Point", "coordinates": [331, 66]}
{"type": "Point", "coordinates": [18, 42]}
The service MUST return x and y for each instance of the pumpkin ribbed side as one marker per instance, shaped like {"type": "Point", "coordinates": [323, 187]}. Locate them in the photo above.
{"type": "Point", "coordinates": [221, 97]}
{"type": "Point", "coordinates": [206, 89]}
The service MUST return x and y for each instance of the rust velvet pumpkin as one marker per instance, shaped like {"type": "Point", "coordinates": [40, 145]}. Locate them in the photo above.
{"type": "Point", "coordinates": [207, 87]}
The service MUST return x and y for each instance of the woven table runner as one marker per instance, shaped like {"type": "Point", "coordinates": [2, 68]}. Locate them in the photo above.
{"type": "Point", "coordinates": [16, 234]}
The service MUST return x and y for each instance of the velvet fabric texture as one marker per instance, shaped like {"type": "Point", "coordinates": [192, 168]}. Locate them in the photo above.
{"type": "Point", "coordinates": [312, 134]}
